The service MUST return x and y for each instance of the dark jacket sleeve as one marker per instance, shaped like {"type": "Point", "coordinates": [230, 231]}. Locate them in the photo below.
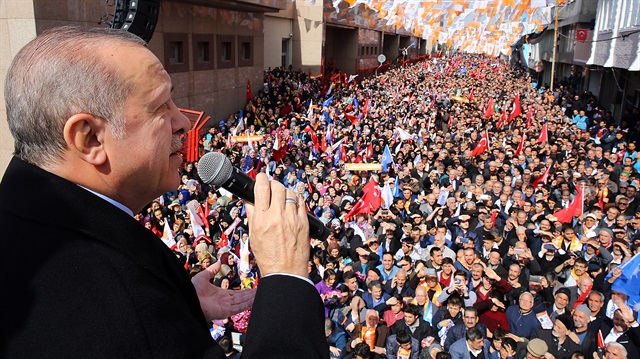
{"type": "Point", "coordinates": [286, 302]}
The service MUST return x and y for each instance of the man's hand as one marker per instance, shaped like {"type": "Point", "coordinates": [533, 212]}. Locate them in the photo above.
{"type": "Point", "coordinates": [573, 336]}
{"type": "Point", "coordinates": [217, 303]}
{"type": "Point", "coordinates": [334, 351]}
{"type": "Point", "coordinates": [278, 228]}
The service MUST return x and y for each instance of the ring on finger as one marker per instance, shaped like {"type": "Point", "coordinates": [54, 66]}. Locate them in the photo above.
{"type": "Point", "coordinates": [291, 200]}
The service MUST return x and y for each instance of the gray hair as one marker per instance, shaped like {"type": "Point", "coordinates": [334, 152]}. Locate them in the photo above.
{"type": "Point", "coordinates": [57, 75]}
{"type": "Point", "coordinates": [623, 350]}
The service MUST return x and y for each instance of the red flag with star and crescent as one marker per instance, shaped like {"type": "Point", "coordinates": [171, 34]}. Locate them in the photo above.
{"type": "Point", "coordinates": [544, 135]}
{"type": "Point", "coordinates": [516, 110]}
{"type": "Point", "coordinates": [488, 110]}
{"type": "Point", "coordinates": [370, 201]}
{"type": "Point", "coordinates": [482, 145]}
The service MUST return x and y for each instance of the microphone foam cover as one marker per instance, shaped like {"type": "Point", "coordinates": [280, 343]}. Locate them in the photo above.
{"type": "Point", "coordinates": [215, 168]}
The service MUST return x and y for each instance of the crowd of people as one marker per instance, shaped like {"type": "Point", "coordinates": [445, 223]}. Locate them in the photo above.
{"type": "Point", "coordinates": [508, 210]}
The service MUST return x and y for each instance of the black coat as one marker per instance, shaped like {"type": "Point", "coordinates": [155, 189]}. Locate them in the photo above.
{"type": "Point", "coordinates": [98, 284]}
{"type": "Point", "coordinates": [566, 349]}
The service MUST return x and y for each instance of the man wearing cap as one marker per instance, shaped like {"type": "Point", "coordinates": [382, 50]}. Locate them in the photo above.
{"type": "Point", "coordinates": [582, 330]}
{"type": "Point", "coordinates": [605, 238]}
{"type": "Point", "coordinates": [472, 346]}
{"type": "Point", "coordinates": [557, 339]}
{"type": "Point", "coordinates": [560, 303]}
{"type": "Point", "coordinates": [536, 349]}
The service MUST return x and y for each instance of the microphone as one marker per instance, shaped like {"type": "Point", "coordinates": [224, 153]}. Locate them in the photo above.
{"type": "Point", "coordinates": [215, 169]}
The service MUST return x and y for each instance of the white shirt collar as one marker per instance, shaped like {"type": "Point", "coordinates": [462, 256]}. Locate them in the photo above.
{"type": "Point", "coordinates": [111, 200]}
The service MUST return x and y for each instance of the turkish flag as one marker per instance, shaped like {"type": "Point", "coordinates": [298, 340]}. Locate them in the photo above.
{"type": "Point", "coordinates": [353, 119]}
{"type": "Point", "coordinates": [574, 210]}
{"type": "Point", "coordinates": [521, 145]}
{"type": "Point", "coordinates": [249, 94]}
{"type": "Point", "coordinates": [370, 201]}
{"type": "Point", "coordinates": [581, 34]}
{"type": "Point", "coordinates": [543, 178]}
{"type": "Point", "coordinates": [471, 94]}
{"type": "Point", "coordinates": [252, 173]}
{"type": "Point", "coordinates": [516, 110]}
{"type": "Point", "coordinates": [369, 152]}
{"type": "Point", "coordinates": [488, 110]}
{"type": "Point", "coordinates": [503, 118]}
{"type": "Point", "coordinates": [529, 117]}
{"type": "Point", "coordinates": [482, 145]}
{"type": "Point", "coordinates": [544, 135]}
{"type": "Point", "coordinates": [279, 154]}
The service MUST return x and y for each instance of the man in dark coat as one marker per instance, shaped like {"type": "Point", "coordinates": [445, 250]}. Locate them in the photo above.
{"type": "Point", "coordinates": [97, 137]}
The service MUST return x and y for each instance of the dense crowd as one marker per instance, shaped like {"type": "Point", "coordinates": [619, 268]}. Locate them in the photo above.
{"type": "Point", "coordinates": [508, 210]}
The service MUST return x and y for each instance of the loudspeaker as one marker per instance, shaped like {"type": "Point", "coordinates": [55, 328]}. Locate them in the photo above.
{"type": "Point", "coordinates": [139, 17]}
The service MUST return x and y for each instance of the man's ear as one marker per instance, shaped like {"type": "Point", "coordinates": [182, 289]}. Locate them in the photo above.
{"type": "Point", "coordinates": [85, 135]}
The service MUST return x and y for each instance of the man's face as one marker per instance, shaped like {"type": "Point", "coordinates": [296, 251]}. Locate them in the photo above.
{"type": "Point", "coordinates": [595, 302]}
{"type": "Point", "coordinates": [526, 303]}
{"type": "Point", "coordinates": [387, 261]}
{"type": "Point", "coordinates": [613, 353]}
{"type": "Point", "coordinates": [618, 322]}
{"type": "Point", "coordinates": [469, 256]}
{"type": "Point", "coordinates": [561, 301]}
{"type": "Point", "coordinates": [376, 293]}
{"type": "Point", "coordinates": [372, 321]}
{"type": "Point", "coordinates": [437, 257]}
{"type": "Point", "coordinates": [559, 329]}
{"type": "Point", "coordinates": [401, 279]}
{"type": "Point", "coordinates": [470, 319]}
{"type": "Point", "coordinates": [144, 163]}
{"type": "Point", "coordinates": [476, 272]}
{"type": "Point", "coordinates": [580, 268]}
{"type": "Point", "coordinates": [514, 271]}
{"type": "Point", "coordinates": [409, 318]}
{"type": "Point", "coordinates": [477, 344]}
{"type": "Point", "coordinates": [352, 284]}
{"type": "Point", "coordinates": [580, 320]}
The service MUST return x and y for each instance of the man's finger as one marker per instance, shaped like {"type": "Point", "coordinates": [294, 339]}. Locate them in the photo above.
{"type": "Point", "coordinates": [262, 192]}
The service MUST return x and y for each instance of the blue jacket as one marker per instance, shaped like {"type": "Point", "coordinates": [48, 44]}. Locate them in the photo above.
{"type": "Point", "coordinates": [522, 325]}
{"type": "Point", "coordinates": [459, 349]}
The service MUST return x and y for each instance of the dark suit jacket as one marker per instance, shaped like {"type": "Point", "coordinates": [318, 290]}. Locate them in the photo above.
{"type": "Point", "coordinates": [630, 340]}
{"type": "Point", "coordinates": [98, 284]}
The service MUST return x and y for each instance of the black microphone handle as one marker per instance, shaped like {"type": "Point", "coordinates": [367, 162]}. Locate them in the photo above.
{"type": "Point", "coordinates": [240, 184]}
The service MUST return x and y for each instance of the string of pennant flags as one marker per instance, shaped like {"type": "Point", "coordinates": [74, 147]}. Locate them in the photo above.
{"type": "Point", "coordinates": [474, 26]}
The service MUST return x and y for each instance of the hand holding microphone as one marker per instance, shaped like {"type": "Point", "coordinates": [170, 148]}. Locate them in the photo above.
{"type": "Point", "coordinates": [216, 169]}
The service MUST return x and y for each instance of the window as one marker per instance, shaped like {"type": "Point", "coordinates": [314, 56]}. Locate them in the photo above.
{"type": "Point", "coordinates": [285, 51]}
{"type": "Point", "coordinates": [175, 52]}
{"type": "Point", "coordinates": [176, 57]}
{"type": "Point", "coordinates": [246, 50]}
{"type": "Point", "coordinates": [225, 51]}
{"type": "Point", "coordinates": [202, 50]}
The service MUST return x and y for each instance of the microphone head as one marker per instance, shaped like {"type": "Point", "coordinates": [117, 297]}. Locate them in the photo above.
{"type": "Point", "coordinates": [215, 168]}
